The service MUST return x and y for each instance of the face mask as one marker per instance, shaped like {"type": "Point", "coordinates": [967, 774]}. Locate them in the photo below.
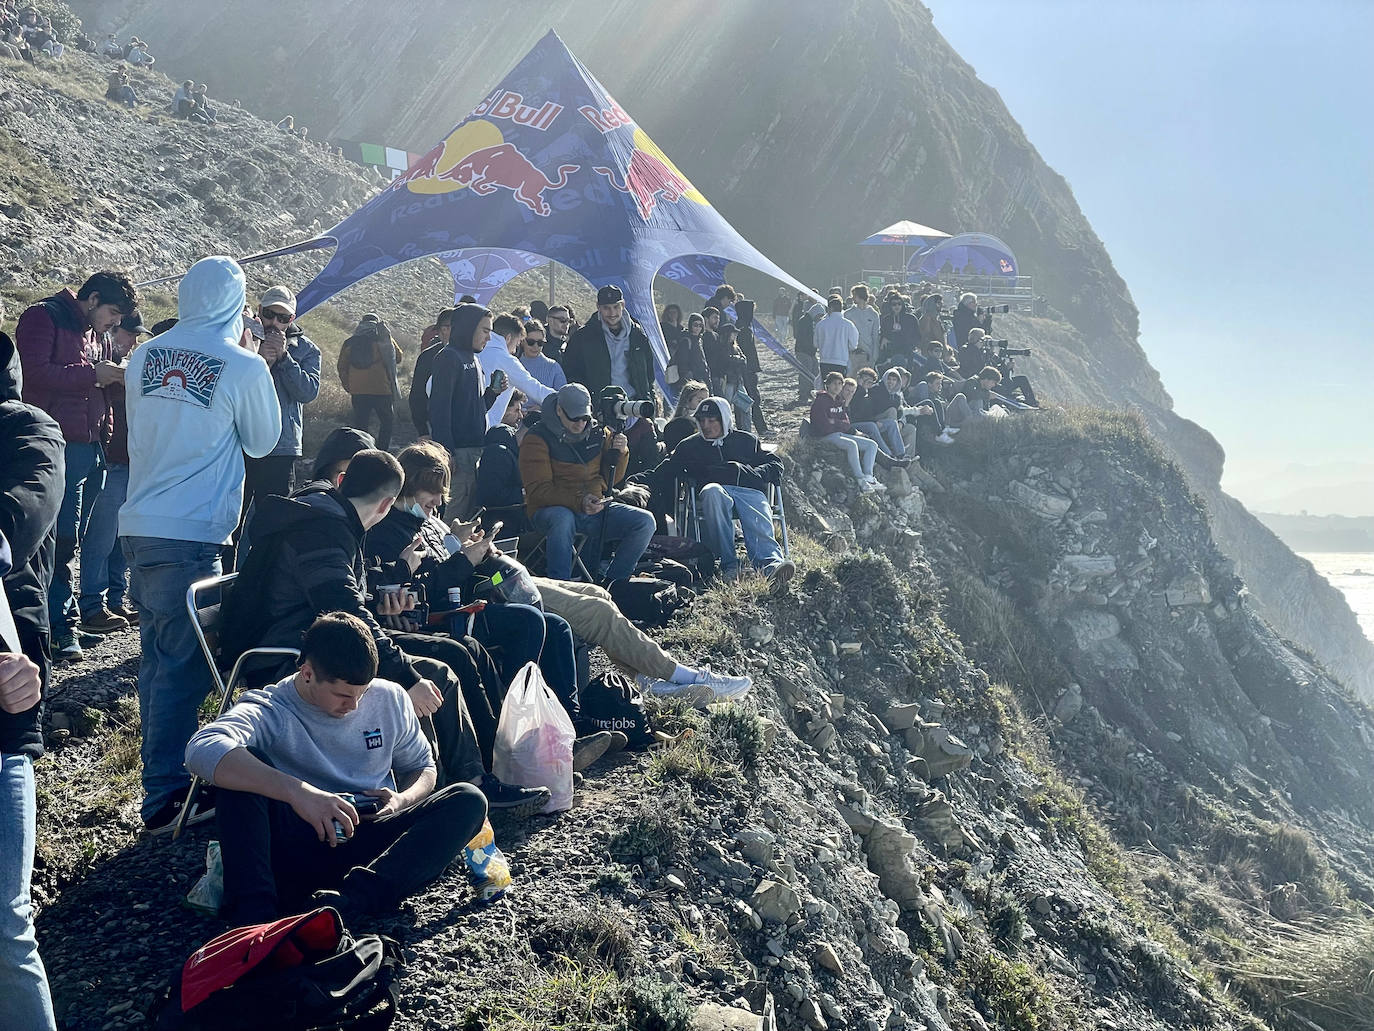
{"type": "Point", "coordinates": [417, 511]}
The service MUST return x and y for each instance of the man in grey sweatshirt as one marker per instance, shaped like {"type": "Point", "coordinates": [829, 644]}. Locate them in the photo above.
{"type": "Point", "coordinates": [326, 787]}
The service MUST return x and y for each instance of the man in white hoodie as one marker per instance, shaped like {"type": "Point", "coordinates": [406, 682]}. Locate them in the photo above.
{"type": "Point", "coordinates": [836, 338]}
{"type": "Point", "coordinates": [866, 320]}
{"type": "Point", "coordinates": [507, 333]}
{"type": "Point", "coordinates": [198, 398]}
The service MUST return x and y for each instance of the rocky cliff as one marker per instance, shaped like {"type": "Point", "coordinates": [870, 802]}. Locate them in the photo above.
{"type": "Point", "coordinates": [803, 145]}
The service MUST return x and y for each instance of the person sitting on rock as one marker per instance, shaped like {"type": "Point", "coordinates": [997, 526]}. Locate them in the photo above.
{"type": "Point", "coordinates": [569, 463]}
{"type": "Point", "coordinates": [137, 54]}
{"type": "Point", "coordinates": [182, 102]}
{"type": "Point", "coordinates": [327, 756]}
{"type": "Point", "coordinates": [884, 457]}
{"type": "Point", "coordinates": [201, 111]}
{"type": "Point", "coordinates": [112, 48]}
{"type": "Point", "coordinates": [972, 400]}
{"type": "Point", "coordinates": [875, 411]}
{"type": "Point", "coordinates": [731, 471]}
{"type": "Point", "coordinates": [119, 89]}
{"type": "Point", "coordinates": [829, 421]}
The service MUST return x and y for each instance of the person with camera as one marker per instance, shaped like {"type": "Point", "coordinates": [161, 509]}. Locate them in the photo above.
{"type": "Point", "coordinates": [731, 471]}
{"type": "Point", "coordinates": [968, 316]}
{"type": "Point", "coordinates": [569, 464]}
{"type": "Point", "coordinates": [981, 350]}
{"type": "Point", "coordinates": [327, 788]}
{"type": "Point", "coordinates": [972, 399]}
{"type": "Point", "coordinates": [307, 558]}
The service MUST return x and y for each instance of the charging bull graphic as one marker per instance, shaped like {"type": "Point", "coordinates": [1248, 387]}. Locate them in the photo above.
{"type": "Point", "coordinates": [648, 176]}
{"type": "Point", "coordinates": [422, 169]}
{"type": "Point", "coordinates": [505, 167]}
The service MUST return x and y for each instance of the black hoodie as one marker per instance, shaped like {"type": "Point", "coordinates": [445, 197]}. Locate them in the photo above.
{"type": "Point", "coordinates": [306, 560]}
{"type": "Point", "coordinates": [457, 417]}
{"type": "Point", "coordinates": [31, 485]}
{"type": "Point", "coordinates": [744, 320]}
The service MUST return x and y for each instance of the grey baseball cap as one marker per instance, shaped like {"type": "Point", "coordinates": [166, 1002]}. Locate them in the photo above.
{"type": "Point", "coordinates": [574, 400]}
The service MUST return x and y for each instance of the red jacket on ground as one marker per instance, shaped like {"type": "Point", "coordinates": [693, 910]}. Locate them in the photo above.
{"type": "Point", "coordinates": [57, 349]}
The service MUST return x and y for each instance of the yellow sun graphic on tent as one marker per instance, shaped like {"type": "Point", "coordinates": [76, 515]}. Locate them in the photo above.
{"type": "Point", "coordinates": [441, 171]}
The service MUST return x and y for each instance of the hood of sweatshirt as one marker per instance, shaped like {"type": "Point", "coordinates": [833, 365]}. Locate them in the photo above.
{"type": "Point", "coordinates": [744, 312]}
{"type": "Point", "coordinates": [209, 305]}
{"type": "Point", "coordinates": [727, 419]}
{"type": "Point", "coordinates": [465, 320]}
{"type": "Point", "coordinates": [317, 501]}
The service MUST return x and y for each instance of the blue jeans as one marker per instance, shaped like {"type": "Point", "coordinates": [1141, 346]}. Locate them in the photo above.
{"type": "Point", "coordinates": [717, 504]}
{"type": "Point", "coordinates": [173, 678]}
{"type": "Point", "coordinates": [85, 465]}
{"type": "Point", "coordinates": [524, 634]}
{"type": "Point", "coordinates": [631, 527]}
{"type": "Point", "coordinates": [888, 435]}
{"type": "Point", "coordinates": [103, 568]}
{"type": "Point", "coordinates": [23, 981]}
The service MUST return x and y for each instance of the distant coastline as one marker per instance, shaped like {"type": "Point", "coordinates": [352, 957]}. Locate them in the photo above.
{"type": "Point", "coordinates": [1321, 533]}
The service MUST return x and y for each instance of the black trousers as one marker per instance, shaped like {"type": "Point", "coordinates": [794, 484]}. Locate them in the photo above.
{"type": "Point", "coordinates": [274, 474]}
{"type": "Point", "coordinates": [1013, 383]}
{"type": "Point", "coordinates": [751, 387]}
{"type": "Point", "coordinates": [364, 405]}
{"type": "Point", "coordinates": [273, 860]}
{"type": "Point", "coordinates": [473, 692]}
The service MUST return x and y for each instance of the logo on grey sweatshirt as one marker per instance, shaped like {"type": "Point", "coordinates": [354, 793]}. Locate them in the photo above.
{"type": "Point", "coordinates": [372, 738]}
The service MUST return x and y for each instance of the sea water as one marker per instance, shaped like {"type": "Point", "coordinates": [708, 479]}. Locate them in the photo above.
{"type": "Point", "coordinates": [1352, 573]}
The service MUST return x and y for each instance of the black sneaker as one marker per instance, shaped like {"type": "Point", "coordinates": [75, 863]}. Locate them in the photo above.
{"type": "Point", "coordinates": [517, 801]}
{"type": "Point", "coordinates": [350, 913]}
{"type": "Point", "coordinates": [588, 749]}
{"type": "Point", "coordinates": [164, 821]}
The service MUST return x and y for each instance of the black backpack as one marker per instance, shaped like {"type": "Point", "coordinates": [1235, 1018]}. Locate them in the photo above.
{"type": "Point", "coordinates": [361, 352]}
{"type": "Point", "coordinates": [647, 601]}
{"type": "Point", "coordinates": [612, 701]}
{"type": "Point", "coordinates": [683, 551]}
{"type": "Point", "coordinates": [301, 973]}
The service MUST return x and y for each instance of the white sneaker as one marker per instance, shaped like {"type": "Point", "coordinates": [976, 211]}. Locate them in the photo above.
{"type": "Point", "coordinates": [725, 687]}
{"type": "Point", "coordinates": [944, 438]}
{"type": "Point", "coordinates": [877, 483]}
{"type": "Point", "coordinates": [952, 430]}
{"type": "Point", "coordinates": [697, 695]}
{"type": "Point", "coordinates": [867, 486]}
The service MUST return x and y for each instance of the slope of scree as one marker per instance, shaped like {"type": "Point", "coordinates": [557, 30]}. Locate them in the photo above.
{"type": "Point", "coordinates": [910, 131]}
{"type": "Point", "coordinates": [884, 834]}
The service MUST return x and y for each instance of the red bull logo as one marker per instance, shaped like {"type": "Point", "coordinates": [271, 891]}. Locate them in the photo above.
{"type": "Point", "coordinates": [646, 178]}
{"type": "Point", "coordinates": [511, 105]}
{"type": "Point", "coordinates": [422, 169]}
{"type": "Point", "coordinates": [504, 167]}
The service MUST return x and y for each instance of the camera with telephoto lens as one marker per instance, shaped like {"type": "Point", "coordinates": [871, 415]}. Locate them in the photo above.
{"type": "Point", "coordinates": [995, 309]}
{"type": "Point", "coordinates": [617, 408]}
{"type": "Point", "coordinates": [1003, 351]}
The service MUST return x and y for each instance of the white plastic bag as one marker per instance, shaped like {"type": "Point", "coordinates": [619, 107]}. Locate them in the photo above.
{"type": "Point", "coordinates": [534, 739]}
{"type": "Point", "coordinates": [206, 893]}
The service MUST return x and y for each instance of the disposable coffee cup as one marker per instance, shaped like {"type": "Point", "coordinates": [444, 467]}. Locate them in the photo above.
{"type": "Point", "coordinates": [455, 596]}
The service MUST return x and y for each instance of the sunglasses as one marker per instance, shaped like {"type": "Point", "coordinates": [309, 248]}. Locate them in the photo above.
{"type": "Point", "coordinates": [579, 418]}
{"type": "Point", "coordinates": [277, 316]}
{"type": "Point", "coordinates": [558, 318]}
{"type": "Point", "coordinates": [534, 343]}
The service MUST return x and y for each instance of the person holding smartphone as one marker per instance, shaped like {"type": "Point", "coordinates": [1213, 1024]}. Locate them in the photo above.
{"type": "Point", "coordinates": [291, 763]}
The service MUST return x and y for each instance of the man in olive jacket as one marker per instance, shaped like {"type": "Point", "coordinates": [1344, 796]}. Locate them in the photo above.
{"type": "Point", "coordinates": [568, 464]}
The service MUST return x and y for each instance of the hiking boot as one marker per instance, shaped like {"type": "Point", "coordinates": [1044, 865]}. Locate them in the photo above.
{"type": "Point", "coordinates": [724, 687]}
{"type": "Point", "coordinates": [512, 799]}
{"type": "Point", "coordinates": [87, 640]}
{"type": "Point", "coordinates": [65, 647]}
{"type": "Point", "coordinates": [696, 695]}
{"type": "Point", "coordinates": [588, 749]}
{"type": "Point", "coordinates": [103, 622]}
{"type": "Point", "coordinates": [164, 821]}
{"type": "Point", "coordinates": [129, 613]}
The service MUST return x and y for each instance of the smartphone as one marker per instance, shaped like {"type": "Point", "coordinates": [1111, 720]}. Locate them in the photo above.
{"type": "Point", "coordinates": [364, 804]}
{"type": "Point", "coordinates": [495, 529]}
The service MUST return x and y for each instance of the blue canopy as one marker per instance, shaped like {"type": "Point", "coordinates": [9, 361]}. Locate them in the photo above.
{"type": "Point", "coordinates": [967, 254]}
{"type": "Point", "coordinates": [547, 166]}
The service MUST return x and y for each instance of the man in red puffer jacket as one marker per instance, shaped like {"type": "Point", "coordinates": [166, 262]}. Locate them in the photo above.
{"type": "Point", "coordinates": [65, 373]}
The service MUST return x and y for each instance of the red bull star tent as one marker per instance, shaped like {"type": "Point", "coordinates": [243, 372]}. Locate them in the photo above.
{"type": "Point", "coordinates": [548, 166]}
{"type": "Point", "coordinates": [978, 254]}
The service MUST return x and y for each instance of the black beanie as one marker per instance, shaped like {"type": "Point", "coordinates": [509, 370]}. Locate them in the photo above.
{"type": "Point", "coordinates": [340, 446]}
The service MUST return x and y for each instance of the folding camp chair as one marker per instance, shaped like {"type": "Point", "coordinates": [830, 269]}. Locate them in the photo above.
{"type": "Point", "coordinates": [532, 550]}
{"type": "Point", "coordinates": [204, 599]}
{"type": "Point", "coordinates": [689, 523]}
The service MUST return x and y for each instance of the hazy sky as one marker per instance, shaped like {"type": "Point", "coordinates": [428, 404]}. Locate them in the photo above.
{"type": "Point", "coordinates": [1222, 151]}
